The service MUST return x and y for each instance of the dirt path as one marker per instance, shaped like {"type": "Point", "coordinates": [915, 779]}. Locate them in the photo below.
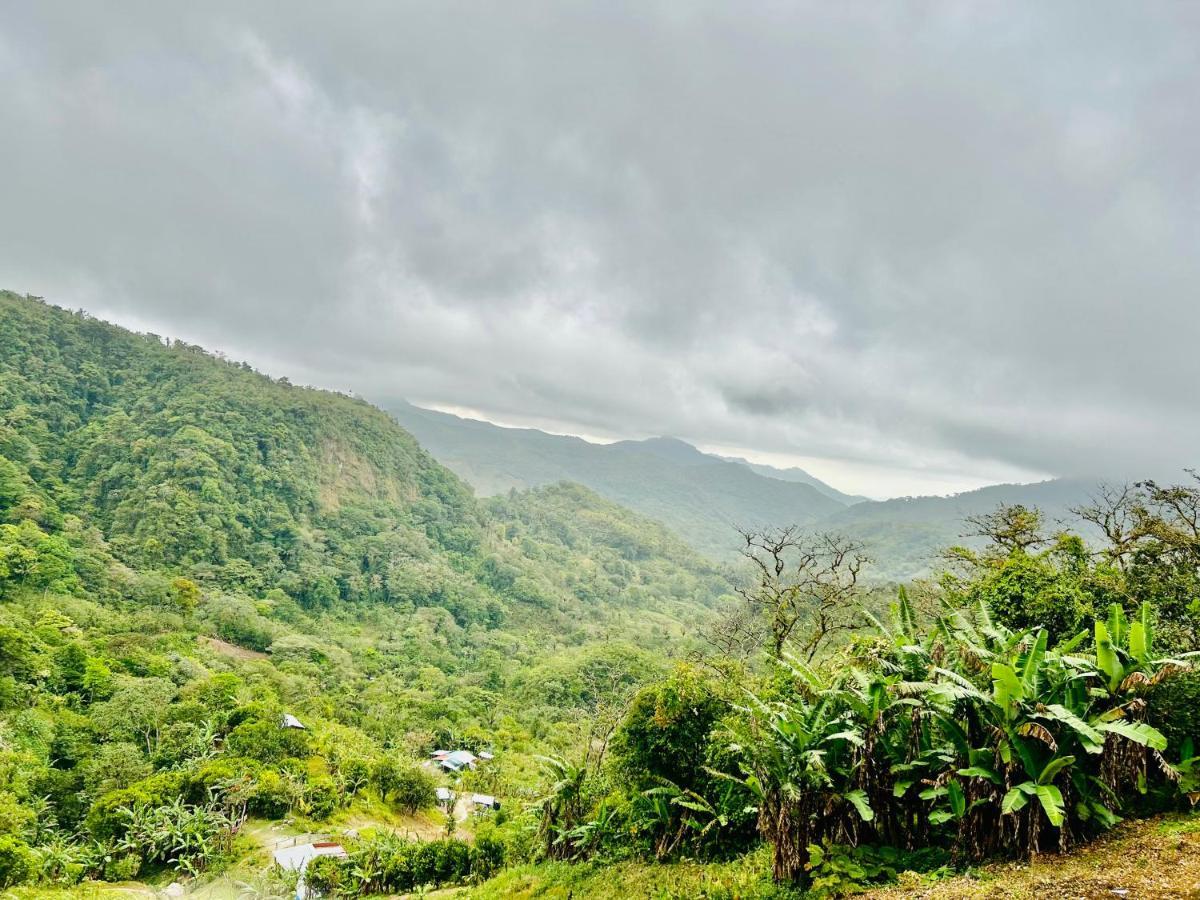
{"type": "Point", "coordinates": [1156, 859]}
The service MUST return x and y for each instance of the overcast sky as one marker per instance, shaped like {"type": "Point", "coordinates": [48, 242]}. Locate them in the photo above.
{"type": "Point", "coordinates": [914, 248]}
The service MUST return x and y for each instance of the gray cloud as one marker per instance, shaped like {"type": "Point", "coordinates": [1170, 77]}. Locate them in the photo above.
{"type": "Point", "coordinates": [948, 243]}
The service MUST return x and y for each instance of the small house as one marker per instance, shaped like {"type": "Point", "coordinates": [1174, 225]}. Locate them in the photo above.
{"type": "Point", "coordinates": [485, 801]}
{"type": "Point", "coordinates": [290, 721]}
{"type": "Point", "coordinates": [458, 760]}
{"type": "Point", "coordinates": [444, 795]}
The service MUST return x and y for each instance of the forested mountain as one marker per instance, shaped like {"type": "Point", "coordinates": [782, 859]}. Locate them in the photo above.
{"type": "Point", "coordinates": [905, 536]}
{"type": "Point", "coordinates": [700, 497]}
{"type": "Point", "coordinates": [188, 548]}
{"type": "Point", "coordinates": [181, 460]}
{"type": "Point", "coordinates": [703, 497]}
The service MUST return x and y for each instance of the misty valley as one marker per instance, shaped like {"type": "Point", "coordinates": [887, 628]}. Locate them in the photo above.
{"type": "Point", "coordinates": [265, 640]}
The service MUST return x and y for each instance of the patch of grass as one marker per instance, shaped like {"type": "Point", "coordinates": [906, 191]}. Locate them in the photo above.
{"type": "Point", "coordinates": [1152, 859]}
{"type": "Point", "coordinates": [1180, 823]}
{"type": "Point", "coordinates": [748, 878]}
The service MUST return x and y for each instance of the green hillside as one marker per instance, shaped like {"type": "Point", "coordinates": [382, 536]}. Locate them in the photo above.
{"type": "Point", "coordinates": [189, 549]}
{"type": "Point", "coordinates": [187, 462]}
{"type": "Point", "coordinates": [238, 615]}
{"type": "Point", "coordinates": [906, 536]}
{"type": "Point", "coordinates": [701, 498]}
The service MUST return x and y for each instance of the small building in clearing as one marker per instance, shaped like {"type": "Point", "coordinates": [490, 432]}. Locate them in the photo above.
{"type": "Point", "coordinates": [485, 801]}
{"type": "Point", "coordinates": [455, 761]}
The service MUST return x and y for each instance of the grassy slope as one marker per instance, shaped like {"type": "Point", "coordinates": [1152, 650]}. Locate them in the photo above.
{"type": "Point", "coordinates": [1151, 859]}
{"type": "Point", "coordinates": [1154, 858]}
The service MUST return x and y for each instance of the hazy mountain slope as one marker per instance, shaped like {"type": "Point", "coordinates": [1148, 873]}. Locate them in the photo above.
{"type": "Point", "coordinates": [184, 462]}
{"type": "Point", "coordinates": [700, 497]}
{"type": "Point", "coordinates": [799, 476]}
{"type": "Point", "coordinates": [905, 535]}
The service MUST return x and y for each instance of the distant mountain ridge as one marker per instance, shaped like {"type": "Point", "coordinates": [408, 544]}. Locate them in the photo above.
{"type": "Point", "coordinates": [905, 535]}
{"type": "Point", "coordinates": [798, 475]}
{"type": "Point", "coordinates": [700, 497]}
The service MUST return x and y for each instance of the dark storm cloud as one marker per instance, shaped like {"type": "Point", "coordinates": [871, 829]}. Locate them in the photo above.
{"type": "Point", "coordinates": [948, 241]}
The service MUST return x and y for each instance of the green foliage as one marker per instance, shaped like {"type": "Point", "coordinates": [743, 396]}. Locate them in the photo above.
{"type": "Point", "coordinates": [385, 863]}
{"type": "Point", "coordinates": [664, 734]}
{"type": "Point", "coordinates": [18, 863]}
{"type": "Point", "coordinates": [409, 787]}
{"type": "Point", "coordinates": [1058, 588]}
{"type": "Point", "coordinates": [835, 870]}
{"type": "Point", "coordinates": [998, 726]}
{"type": "Point", "coordinates": [266, 740]}
{"type": "Point", "coordinates": [1174, 709]}
{"type": "Point", "coordinates": [272, 795]}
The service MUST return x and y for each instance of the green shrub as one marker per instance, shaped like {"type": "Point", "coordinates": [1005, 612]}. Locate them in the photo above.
{"type": "Point", "coordinates": [17, 861]}
{"type": "Point", "coordinates": [1174, 709]}
{"type": "Point", "coordinates": [836, 870]}
{"type": "Point", "coordinates": [107, 817]}
{"type": "Point", "coordinates": [272, 795]}
{"type": "Point", "coordinates": [330, 876]}
{"type": "Point", "coordinates": [322, 797]}
{"type": "Point", "coordinates": [267, 741]}
{"type": "Point", "coordinates": [487, 854]}
{"type": "Point", "coordinates": [14, 818]}
{"type": "Point", "coordinates": [122, 868]}
{"type": "Point", "coordinates": [224, 772]}
{"type": "Point", "coordinates": [408, 786]}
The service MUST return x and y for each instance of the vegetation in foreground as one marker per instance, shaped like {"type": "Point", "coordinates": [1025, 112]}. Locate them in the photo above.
{"type": "Point", "coordinates": [189, 550]}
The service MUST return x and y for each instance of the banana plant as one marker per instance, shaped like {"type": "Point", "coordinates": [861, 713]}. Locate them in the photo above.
{"type": "Point", "coordinates": [1044, 789]}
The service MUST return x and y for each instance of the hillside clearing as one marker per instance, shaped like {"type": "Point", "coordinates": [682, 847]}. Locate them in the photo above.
{"type": "Point", "coordinates": [231, 650]}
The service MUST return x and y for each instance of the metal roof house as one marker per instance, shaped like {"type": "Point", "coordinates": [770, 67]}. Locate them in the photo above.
{"type": "Point", "coordinates": [290, 721]}
{"type": "Point", "coordinates": [455, 761]}
{"type": "Point", "coordinates": [485, 801]}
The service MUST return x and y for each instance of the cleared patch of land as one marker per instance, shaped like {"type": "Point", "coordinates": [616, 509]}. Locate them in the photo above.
{"type": "Point", "coordinates": [227, 649]}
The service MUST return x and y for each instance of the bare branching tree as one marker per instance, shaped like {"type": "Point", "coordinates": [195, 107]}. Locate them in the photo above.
{"type": "Point", "coordinates": [1171, 513]}
{"type": "Point", "coordinates": [1147, 517]}
{"type": "Point", "coordinates": [733, 639]}
{"type": "Point", "coordinates": [805, 587]}
{"type": "Point", "coordinates": [1116, 512]}
{"type": "Point", "coordinates": [608, 691]}
{"type": "Point", "coordinates": [1009, 528]}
